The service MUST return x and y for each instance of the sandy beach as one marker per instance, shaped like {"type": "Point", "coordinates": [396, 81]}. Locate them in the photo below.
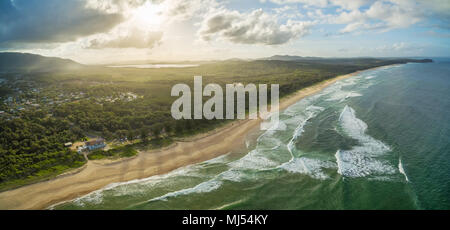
{"type": "Point", "coordinates": [97, 174]}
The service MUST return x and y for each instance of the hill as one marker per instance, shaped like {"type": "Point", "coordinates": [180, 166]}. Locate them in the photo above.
{"type": "Point", "coordinates": [342, 61]}
{"type": "Point", "coordinates": [25, 62]}
{"type": "Point", "coordinates": [289, 58]}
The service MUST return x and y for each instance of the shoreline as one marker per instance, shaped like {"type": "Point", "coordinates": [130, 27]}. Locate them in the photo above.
{"type": "Point", "coordinates": [187, 151]}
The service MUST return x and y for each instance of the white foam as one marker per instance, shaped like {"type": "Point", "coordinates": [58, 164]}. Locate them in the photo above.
{"type": "Point", "coordinates": [401, 169]}
{"type": "Point", "coordinates": [339, 162]}
{"type": "Point", "coordinates": [381, 178]}
{"type": "Point", "coordinates": [336, 93]}
{"type": "Point", "coordinates": [95, 197]}
{"type": "Point", "coordinates": [343, 95]}
{"type": "Point", "coordinates": [262, 157]}
{"type": "Point", "coordinates": [268, 138]}
{"type": "Point", "coordinates": [361, 160]}
{"type": "Point", "coordinates": [204, 187]}
{"type": "Point", "coordinates": [123, 188]}
{"type": "Point", "coordinates": [311, 112]}
{"type": "Point", "coordinates": [355, 164]}
{"type": "Point", "coordinates": [273, 125]}
{"type": "Point", "coordinates": [356, 129]}
{"type": "Point", "coordinates": [234, 175]}
{"type": "Point", "coordinates": [297, 132]}
{"type": "Point", "coordinates": [308, 166]}
{"type": "Point", "coordinates": [298, 107]}
{"type": "Point", "coordinates": [253, 160]}
{"type": "Point", "coordinates": [217, 160]}
{"type": "Point", "coordinates": [229, 204]}
{"type": "Point", "coordinates": [348, 81]}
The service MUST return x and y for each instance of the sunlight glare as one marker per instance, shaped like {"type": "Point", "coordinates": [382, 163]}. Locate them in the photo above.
{"type": "Point", "coordinates": [148, 15]}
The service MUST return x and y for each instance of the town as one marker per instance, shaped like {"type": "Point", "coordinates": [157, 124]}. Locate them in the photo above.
{"type": "Point", "coordinates": [19, 92]}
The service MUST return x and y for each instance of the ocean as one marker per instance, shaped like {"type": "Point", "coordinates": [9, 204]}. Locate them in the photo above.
{"type": "Point", "coordinates": [379, 140]}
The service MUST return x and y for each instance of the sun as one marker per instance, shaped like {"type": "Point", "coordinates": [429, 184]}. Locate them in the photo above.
{"type": "Point", "coordinates": [148, 15]}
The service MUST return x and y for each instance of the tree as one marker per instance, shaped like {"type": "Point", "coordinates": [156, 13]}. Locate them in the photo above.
{"type": "Point", "coordinates": [144, 135]}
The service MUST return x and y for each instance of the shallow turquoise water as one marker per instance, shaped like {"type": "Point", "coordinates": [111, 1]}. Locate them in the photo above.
{"type": "Point", "coordinates": [380, 140]}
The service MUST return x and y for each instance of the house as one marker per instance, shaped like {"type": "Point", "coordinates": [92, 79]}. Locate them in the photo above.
{"type": "Point", "coordinates": [95, 144]}
{"type": "Point", "coordinates": [80, 149]}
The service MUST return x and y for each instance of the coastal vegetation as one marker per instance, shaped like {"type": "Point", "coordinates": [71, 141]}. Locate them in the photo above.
{"type": "Point", "coordinates": [44, 108]}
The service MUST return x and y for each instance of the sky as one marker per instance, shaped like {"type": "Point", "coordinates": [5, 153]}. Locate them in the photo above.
{"type": "Point", "coordinates": [117, 31]}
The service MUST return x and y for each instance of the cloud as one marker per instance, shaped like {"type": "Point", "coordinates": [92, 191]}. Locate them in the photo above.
{"type": "Point", "coordinates": [316, 3]}
{"type": "Point", "coordinates": [345, 4]}
{"type": "Point", "coordinates": [115, 6]}
{"type": "Point", "coordinates": [399, 48]}
{"type": "Point", "coordinates": [40, 21]}
{"type": "Point", "coordinates": [395, 15]}
{"type": "Point", "coordinates": [382, 15]}
{"type": "Point", "coordinates": [437, 9]}
{"type": "Point", "coordinates": [184, 10]}
{"type": "Point", "coordinates": [255, 27]}
{"type": "Point", "coordinates": [134, 38]}
{"type": "Point", "coordinates": [175, 26]}
{"type": "Point", "coordinates": [138, 31]}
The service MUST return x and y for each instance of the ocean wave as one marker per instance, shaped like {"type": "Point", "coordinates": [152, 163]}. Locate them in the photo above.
{"type": "Point", "coordinates": [361, 160]}
{"type": "Point", "coordinates": [311, 112]}
{"type": "Point", "coordinates": [272, 126]}
{"type": "Point", "coordinates": [401, 169]}
{"type": "Point", "coordinates": [232, 175]}
{"type": "Point", "coordinates": [336, 92]}
{"type": "Point", "coordinates": [230, 204]}
{"type": "Point", "coordinates": [299, 108]}
{"type": "Point", "coordinates": [308, 166]}
{"type": "Point", "coordinates": [141, 185]}
{"type": "Point", "coordinates": [253, 160]}
{"type": "Point", "coordinates": [349, 81]}
{"type": "Point", "coordinates": [204, 187]}
{"type": "Point", "coordinates": [343, 95]}
{"type": "Point", "coordinates": [356, 129]}
{"type": "Point", "coordinates": [352, 163]}
{"type": "Point", "coordinates": [217, 160]}
{"type": "Point", "coordinates": [95, 197]}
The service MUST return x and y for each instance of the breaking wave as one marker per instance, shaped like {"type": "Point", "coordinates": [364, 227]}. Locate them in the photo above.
{"type": "Point", "coordinates": [308, 166]}
{"type": "Point", "coordinates": [362, 160]}
{"type": "Point", "coordinates": [401, 169]}
{"type": "Point", "coordinates": [204, 187]}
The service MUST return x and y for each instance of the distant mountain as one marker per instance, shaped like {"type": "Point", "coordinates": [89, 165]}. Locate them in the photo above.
{"type": "Point", "coordinates": [25, 62]}
{"type": "Point", "coordinates": [237, 60]}
{"type": "Point", "coordinates": [290, 58]}
{"type": "Point", "coordinates": [353, 60]}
